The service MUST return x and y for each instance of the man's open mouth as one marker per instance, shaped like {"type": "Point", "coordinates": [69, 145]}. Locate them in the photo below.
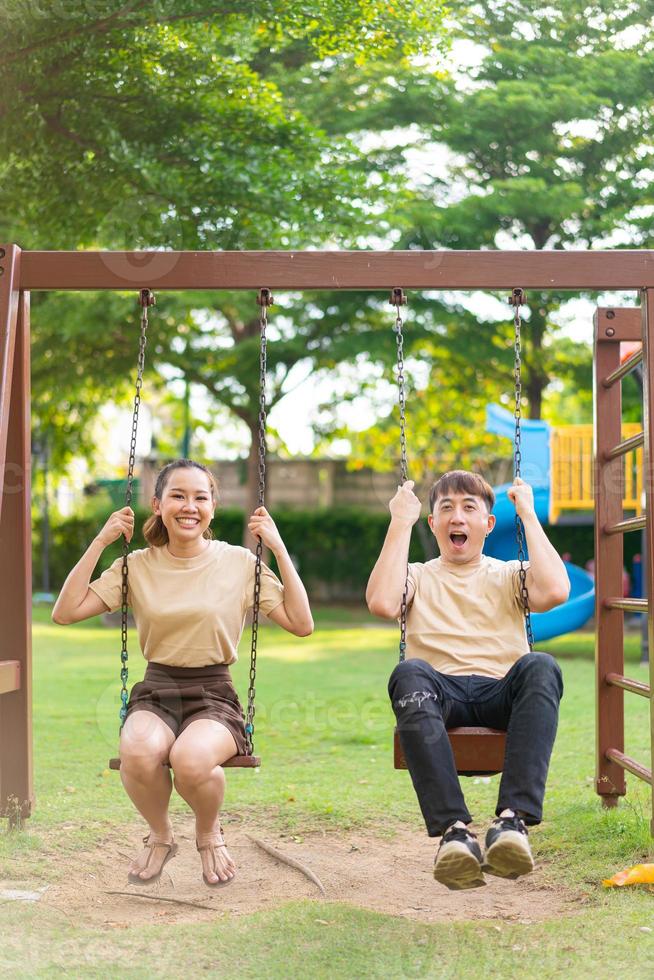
{"type": "Point", "coordinates": [458, 538]}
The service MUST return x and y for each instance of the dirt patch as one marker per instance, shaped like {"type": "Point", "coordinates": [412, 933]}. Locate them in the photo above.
{"type": "Point", "coordinates": [391, 876]}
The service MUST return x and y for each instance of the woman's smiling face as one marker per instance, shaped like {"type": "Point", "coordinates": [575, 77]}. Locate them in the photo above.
{"type": "Point", "coordinates": [186, 506]}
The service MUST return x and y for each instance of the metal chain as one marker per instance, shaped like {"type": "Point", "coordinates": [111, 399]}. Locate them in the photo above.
{"type": "Point", "coordinates": [264, 299]}
{"type": "Point", "coordinates": [146, 299]}
{"type": "Point", "coordinates": [398, 300]}
{"type": "Point", "coordinates": [516, 299]}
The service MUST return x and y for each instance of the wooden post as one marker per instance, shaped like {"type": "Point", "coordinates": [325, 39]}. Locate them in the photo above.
{"type": "Point", "coordinates": [647, 307]}
{"type": "Point", "coordinates": [609, 644]}
{"type": "Point", "coordinates": [16, 782]}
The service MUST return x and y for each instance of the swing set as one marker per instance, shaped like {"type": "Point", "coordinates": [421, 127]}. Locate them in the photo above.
{"type": "Point", "coordinates": [476, 750]}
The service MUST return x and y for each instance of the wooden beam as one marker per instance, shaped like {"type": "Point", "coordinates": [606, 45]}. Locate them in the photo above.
{"type": "Point", "coordinates": [9, 676]}
{"type": "Point", "coordinates": [467, 270]}
{"type": "Point", "coordinates": [16, 782]}
{"type": "Point", "coordinates": [647, 306]}
{"type": "Point", "coordinates": [618, 324]}
{"type": "Point", "coordinates": [609, 641]}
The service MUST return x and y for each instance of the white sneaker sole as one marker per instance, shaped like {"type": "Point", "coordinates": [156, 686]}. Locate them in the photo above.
{"type": "Point", "coordinates": [457, 868]}
{"type": "Point", "coordinates": [509, 856]}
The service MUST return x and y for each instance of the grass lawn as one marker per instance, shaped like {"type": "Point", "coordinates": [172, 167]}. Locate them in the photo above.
{"type": "Point", "coordinates": [324, 729]}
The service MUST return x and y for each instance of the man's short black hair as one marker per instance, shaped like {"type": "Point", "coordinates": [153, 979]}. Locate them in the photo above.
{"type": "Point", "coordinates": [461, 481]}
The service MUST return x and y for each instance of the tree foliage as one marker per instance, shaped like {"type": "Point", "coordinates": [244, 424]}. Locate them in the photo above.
{"type": "Point", "coordinates": [190, 125]}
{"type": "Point", "coordinates": [163, 125]}
{"type": "Point", "coordinates": [549, 143]}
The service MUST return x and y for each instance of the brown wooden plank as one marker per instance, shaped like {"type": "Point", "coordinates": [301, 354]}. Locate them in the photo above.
{"type": "Point", "coordinates": [16, 781]}
{"type": "Point", "coordinates": [618, 324]}
{"type": "Point", "coordinates": [9, 676]}
{"type": "Point", "coordinates": [619, 269]}
{"type": "Point", "coordinates": [477, 751]}
{"type": "Point", "coordinates": [647, 304]}
{"type": "Point", "coordinates": [607, 408]}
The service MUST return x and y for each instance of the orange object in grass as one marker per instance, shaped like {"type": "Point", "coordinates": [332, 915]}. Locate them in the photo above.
{"type": "Point", "coordinates": [640, 874]}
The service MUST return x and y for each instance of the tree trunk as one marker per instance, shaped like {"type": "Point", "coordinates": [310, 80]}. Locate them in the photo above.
{"type": "Point", "coordinates": [537, 380]}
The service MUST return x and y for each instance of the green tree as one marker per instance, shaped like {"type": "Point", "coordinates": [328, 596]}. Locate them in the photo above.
{"type": "Point", "coordinates": [550, 146]}
{"type": "Point", "coordinates": [161, 125]}
{"type": "Point", "coordinates": [145, 123]}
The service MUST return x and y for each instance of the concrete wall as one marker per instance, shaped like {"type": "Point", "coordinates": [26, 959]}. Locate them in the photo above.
{"type": "Point", "coordinates": [297, 484]}
{"type": "Point", "coordinates": [309, 483]}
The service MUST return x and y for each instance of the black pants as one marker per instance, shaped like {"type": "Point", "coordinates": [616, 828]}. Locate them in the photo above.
{"type": "Point", "coordinates": [524, 703]}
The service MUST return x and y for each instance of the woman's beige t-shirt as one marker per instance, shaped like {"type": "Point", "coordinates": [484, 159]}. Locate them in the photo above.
{"type": "Point", "coordinates": [189, 612]}
{"type": "Point", "coordinates": [467, 619]}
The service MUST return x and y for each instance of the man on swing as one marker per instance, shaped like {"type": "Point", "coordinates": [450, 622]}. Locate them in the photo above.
{"type": "Point", "coordinates": [468, 663]}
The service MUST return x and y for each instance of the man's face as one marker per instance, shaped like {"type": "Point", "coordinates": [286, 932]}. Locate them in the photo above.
{"type": "Point", "coordinates": [460, 523]}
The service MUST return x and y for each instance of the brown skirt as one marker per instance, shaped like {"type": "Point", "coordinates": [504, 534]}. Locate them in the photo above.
{"type": "Point", "coordinates": [181, 695]}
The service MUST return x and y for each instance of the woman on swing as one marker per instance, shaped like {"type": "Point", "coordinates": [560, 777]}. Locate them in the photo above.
{"type": "Point", "coordinates": [189, 595]}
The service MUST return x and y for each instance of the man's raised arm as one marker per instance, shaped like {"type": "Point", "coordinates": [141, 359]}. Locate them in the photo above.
{"type": "Point", "coordinates": [547, 580]}
{"type": "Point", "coordinates": [386, 582]}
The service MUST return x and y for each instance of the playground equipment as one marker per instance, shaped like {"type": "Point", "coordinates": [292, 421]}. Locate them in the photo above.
{"type": "Point", "coordinates": [249, 760]}
{"type": "Point", "coordinates": [537, 469]}
{"type": "Point", "coordinates": [558, 270]}
{"type": "Point", "coordinates": [477, 751]}
{"type": "Point", "coordinates": [611, 328]}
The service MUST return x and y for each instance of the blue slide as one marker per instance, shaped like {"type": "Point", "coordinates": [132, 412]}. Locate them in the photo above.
{"type": "Point", "coordinates": [502, 543]}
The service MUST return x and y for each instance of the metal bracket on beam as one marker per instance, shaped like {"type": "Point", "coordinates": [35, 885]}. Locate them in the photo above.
{"type": "Point", "coordinates": [618, 324]}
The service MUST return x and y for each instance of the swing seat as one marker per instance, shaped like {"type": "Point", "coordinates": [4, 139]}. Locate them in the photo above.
{"type": "Point", "coordinates": [477, 751]}
{"type": "Point", "coordinates": [236, 762]}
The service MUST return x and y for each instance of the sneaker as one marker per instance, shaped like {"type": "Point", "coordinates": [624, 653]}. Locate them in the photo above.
{"type": "Point", "coordinates": [508, 854]}
{"type": "Point", "coordinates": [458, 862]}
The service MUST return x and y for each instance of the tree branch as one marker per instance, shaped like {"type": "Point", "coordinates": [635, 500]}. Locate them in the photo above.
{"type": "Point", "coordinates": [100, 26]}
{"type": "Point", "coordinates": [111, 22]}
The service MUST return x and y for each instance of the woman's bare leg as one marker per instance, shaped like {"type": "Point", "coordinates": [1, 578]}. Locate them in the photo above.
{"type": "Point", "coordinates": [196, 759]}
{"type": "Point", "coordinates": [145, 744]}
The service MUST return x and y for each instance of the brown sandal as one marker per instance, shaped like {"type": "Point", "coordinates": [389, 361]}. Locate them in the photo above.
{"type": "Point", "coordinates": [172, 848]}
{"type": "Point", "coordinates": [219, 841]}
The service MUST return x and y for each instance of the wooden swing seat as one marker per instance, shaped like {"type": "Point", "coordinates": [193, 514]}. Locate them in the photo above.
{"type": "Point", "coordinates": [236, 762]}
{"type": "Point", "coordinates": [477, 751]}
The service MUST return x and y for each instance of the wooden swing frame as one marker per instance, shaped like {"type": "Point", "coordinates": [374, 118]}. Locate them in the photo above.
{"type": "Point", "coordinates": [23, 271]}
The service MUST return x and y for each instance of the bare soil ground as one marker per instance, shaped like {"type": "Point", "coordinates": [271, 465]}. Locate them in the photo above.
{"type": "Point", "coordinates": [390, 876]}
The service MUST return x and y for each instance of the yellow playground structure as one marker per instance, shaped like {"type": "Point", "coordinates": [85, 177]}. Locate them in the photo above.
{"type": "Point", "coordinates": [572, 473]}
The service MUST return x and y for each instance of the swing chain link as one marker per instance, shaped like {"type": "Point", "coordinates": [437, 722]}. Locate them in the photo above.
{"type": "Point", "coordinates": [264, 299]}
{"type": "Point", "coordinates": [398, 300]}
{"type": "Point", "coordinates": [517, 299]}
{"type": "Point", "coordinates": [146, 299]}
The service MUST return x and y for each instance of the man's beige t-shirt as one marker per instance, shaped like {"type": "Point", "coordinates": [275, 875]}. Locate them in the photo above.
{"type": "Point", "coordinates": [467, 619]}
{"type": "Point", "coordinates": [189, 612]}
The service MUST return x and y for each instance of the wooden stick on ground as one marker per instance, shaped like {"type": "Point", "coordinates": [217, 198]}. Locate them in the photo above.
{"type": "Point", "coordinates": [161, 898]}
{"type": "Point", "coordinates": [291, 862]}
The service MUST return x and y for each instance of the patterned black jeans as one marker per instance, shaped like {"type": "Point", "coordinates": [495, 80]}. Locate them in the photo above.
{"type": "Point", "coordinates": [524, 703]}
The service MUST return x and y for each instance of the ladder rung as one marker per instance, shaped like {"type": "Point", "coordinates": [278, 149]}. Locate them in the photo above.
{"type": "Point", "coordinates": [631, 524]}
{"type": "Point", "coordinates": [636, 687]}
{"type": "Point", "coordinates": [629, 605]}
{"type": "Point", "coordinates": [624, 369]}
{"type": "Point", "coordinates": [625, 762]}
{"type": "Point", "coordinates": [622, 448]}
